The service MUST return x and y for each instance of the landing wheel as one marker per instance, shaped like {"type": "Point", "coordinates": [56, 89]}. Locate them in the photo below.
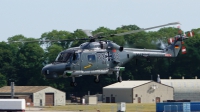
{"type": "Point", "coordinates": [96, 80]}
{"type": "Point", "coordinates": [73, 84]}
{"type": "Point", "coordinates": [119, 79]}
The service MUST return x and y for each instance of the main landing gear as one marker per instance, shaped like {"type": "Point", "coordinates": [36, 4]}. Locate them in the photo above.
{"type": "Point", "coordinates": [73, 83]}
{"type": "Point", "coordinates": [118, 77]}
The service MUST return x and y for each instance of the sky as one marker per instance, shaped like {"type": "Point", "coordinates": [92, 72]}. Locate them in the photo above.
{"type": "Point", "coordinates": [32, 18]}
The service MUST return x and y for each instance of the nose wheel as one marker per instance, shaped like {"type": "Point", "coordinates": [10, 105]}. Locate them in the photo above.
{"type": "Point", "coordinates": [96, 79]}
{"type": "Point", "coordinates": [73, 83]}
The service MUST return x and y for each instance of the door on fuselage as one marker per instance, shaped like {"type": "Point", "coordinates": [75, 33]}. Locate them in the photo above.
{"type": "Point", "coordinates": [76, 62]}
{"type": "Point", "coordinates": [89, 61]}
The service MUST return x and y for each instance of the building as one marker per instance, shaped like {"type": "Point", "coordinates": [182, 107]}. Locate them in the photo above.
{"type": "Point", "coordinates": [184, 89]}
{"type": "Point", "coordinates": [91, 99]}
{"type": "Point", "coordinates": [137, 92]}
{"type": "Point", "coordinates": [35, 95]}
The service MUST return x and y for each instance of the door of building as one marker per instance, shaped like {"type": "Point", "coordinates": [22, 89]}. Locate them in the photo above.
{"type": "Point", "coordinates": [157, 99]}
{"type": "Point", "coordinates": [107, 99]}
{"type": "Point", "coordinates": [139, 100]}
{"type": "Point", "coordinates": [49, 99]}
{"type": "Point", "coordinates": [112, 99]}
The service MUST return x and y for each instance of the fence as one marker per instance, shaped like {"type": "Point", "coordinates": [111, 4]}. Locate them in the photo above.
{"type": "Point", "coordinates": [187, 107]}
{"type": "Point", "coordinates": [74, 107]}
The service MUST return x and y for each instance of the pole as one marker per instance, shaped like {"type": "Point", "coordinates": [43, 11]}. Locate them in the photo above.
{"type": "Point", "coordinates": [12, 90]}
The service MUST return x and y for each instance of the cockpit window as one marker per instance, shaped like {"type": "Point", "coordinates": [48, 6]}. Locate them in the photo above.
{"type": "Point", "coordinates": [63, 57]}
{"type": "Point", "coordinates": [77, 56]}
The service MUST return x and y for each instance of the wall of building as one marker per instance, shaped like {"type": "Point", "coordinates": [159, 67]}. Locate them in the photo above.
{"type": "Point", "coordinates": [120, 94]}
{"type": "Point", "coordinates": [150, 92]}
{"type": "Point", "coordinates": [184, 89]}
{"type": "Point", "coordinates": [187, 93]}
{"type": "Point", "coordinates": [92, 99]}
{"type": "Point", "coordinates": [59, 97]}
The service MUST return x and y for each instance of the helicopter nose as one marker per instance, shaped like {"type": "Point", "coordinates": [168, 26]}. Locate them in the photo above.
{"type": "Point", "coordinates": [52, 71]}
{"type": "Point", "coordinates": [49, 73]}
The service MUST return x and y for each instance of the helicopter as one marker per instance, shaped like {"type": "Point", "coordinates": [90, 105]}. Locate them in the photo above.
{"type": "Point", "coordinates": [99, 57]}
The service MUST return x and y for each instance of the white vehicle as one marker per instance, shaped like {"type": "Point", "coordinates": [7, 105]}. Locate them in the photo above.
{"type": "Point", "coordinates": [12, 105]}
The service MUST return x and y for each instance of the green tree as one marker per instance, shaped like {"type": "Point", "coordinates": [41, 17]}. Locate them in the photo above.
{"type": "Point", "coordinates": [78, 34]}
{"type": "Point", "coordinates": [52, 52]}
{"type": "Point", "coordinates": [7, 59]}
{"type": "Point", "coordinates": [30, 60]}
{"type": "Point", "coordinates": [3, 81]}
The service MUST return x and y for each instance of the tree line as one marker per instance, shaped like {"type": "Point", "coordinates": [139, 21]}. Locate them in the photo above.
{"type": "Point", "coordinates": [21, 62]}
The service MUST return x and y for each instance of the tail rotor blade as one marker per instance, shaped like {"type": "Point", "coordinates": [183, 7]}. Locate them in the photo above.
{"type": "Point", "coordinates": [190, 34]}
{"type": "Point", "coordinates": [184, 50]}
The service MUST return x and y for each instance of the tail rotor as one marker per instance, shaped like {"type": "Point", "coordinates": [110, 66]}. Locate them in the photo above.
{"type": "Point", "coordinates": [182, 36]}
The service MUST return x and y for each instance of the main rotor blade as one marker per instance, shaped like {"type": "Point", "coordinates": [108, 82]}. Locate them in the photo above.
{"type": "Point", "coordinates": [135, 31]}
{"type": "Point", "coordinates": [24, 41]}
{"type": "Point", "coordinates": [88, 33]}
{"type": "Point", "coordinates": [98, 34]}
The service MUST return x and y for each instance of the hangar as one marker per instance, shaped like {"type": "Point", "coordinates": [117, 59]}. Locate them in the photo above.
{"type": "Point", "coordinates": [184, 89]}
{"type": "Point", "coordinates": [137, 92]}
{"type": "Point", "coordinates": [35, 95]}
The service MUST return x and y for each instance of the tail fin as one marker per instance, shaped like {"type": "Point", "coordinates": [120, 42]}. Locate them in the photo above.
{"type": "Point", "coordinates": [175, 45]}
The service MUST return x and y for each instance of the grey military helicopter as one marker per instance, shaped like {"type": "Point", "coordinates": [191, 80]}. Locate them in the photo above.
{"type": "Point", "coordinates": [98, 57]}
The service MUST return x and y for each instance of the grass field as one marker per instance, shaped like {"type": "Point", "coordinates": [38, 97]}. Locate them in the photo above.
{"type": "Point", "coordinates": [105, 107]}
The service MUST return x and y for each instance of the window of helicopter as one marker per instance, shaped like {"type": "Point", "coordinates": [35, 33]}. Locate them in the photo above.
{"type": "Point", "coordinates": [91, 58]}
{"type": "Point", "coordinates": [63, 57]}
{"type": "Point", "coordinates": [59, 57]}
{"type": "Point", "coordinates": [76, 56]}
{"type": "Point", "coordinates": [66, 57]}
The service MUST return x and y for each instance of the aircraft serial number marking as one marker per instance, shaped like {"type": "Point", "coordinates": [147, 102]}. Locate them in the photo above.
{"type": "Point", "coordinates": [142, 54]}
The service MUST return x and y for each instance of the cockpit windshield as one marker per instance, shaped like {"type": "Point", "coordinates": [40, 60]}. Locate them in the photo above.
{"type": "Point", "coordinates": [63, 57]}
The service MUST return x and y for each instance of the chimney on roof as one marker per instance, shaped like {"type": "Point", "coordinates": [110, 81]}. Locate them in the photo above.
{"type": "Point", "coordinates": [158, 79]}
{"type": "Point", "coordinates": [183, 77]}
{"type": "Point", "coordinates": [170, 77]}
{"type": "Point", "coordinates": [196, 77]}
